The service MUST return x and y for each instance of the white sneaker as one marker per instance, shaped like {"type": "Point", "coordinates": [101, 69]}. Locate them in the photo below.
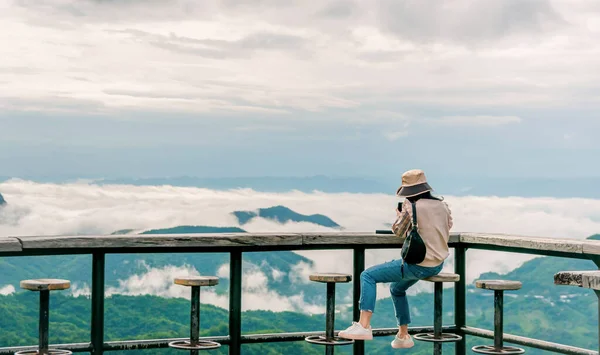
{"type": "Point", "coordinates": [403, 343]}
{"type": "Point", "coordinates": [357, 332]}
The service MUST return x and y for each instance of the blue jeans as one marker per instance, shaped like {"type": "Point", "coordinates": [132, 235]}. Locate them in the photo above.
{"type": "Point", "coordinates": [400, 282]}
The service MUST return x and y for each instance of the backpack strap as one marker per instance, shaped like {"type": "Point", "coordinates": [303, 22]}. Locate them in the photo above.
{"type": "Point", "coordinates": [414, 216]}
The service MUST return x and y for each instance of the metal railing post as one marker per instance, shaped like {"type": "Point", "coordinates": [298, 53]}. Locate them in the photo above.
{"type": "Point", "coordinates": [460, 288]}
{"type": "Point", "coordinates": [359, 267]}
{"type": "Point", "coordinates": [98, 267]}
{"type": "Point", "coordinates": [235, 303]}
{"type": "Point", "coordinates": [598, 295]}
{"type": "Point", "coordinates": [596, 260]}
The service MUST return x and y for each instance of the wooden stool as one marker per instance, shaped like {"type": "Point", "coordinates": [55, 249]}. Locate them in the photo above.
{"type": "Point", "coordinates": [329, 339]}
{"type": "Point", "coordinates": [194, 344]}
{"type": "Point", "coordinates": [437, 337]}
{"type": "Point", "coordinates": [498, 286]}
{"type": "Point", "coordinates": [585, 279]}
{"type": "Point", "coordinates": [44, 286]}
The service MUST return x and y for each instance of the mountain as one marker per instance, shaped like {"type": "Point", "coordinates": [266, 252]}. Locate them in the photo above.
{"type": "Point", "coordinates": [2, 200]}
{"type": "Point", "coordinates": [195, 229]}
{"type": "Point", "coordinates": [282, 214]}
{"type": "Point", "coordinates": [122, 270]}
{"type": "Point", "coordinates": [537, 276]}
{"type": "Point", "coordinates": [545, 311]}
{"type": "Point", "coordinates": [123, 231]}
{"type": "Point", "coordinates": [122, 267]}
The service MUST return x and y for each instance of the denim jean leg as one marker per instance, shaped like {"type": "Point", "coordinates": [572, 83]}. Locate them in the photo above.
{"type": "Point", "coordinates": [412, 275]}
{"type": "Point", "coordinates": [386, 272]}
{"type": "Point", "coordinates": [398, 292]}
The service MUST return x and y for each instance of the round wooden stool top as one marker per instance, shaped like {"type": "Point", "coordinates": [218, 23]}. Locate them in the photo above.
{"type": "Point", "coordinates": [197, 281]}
{"type": "Point", "coordinates": [45, 284]}
{"type": "Point", "coordinates": [498, 285]}
{"type": "Point", "coordinates": [330, 277]}
{"type": "Point", "coordinates": [443, 277]}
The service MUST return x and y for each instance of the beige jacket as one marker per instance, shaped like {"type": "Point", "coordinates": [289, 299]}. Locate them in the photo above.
{"type": "Point", "coordinates": [434, 220]}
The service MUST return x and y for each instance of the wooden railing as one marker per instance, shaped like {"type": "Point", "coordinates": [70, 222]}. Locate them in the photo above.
{"type": "Point", "coordinates": [236, 244]}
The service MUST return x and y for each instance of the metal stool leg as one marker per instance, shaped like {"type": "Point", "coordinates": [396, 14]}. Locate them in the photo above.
{"type": "Point", "coordinates": [498, 319]}
{"type": "Point", "coordinates": [195, 319]}
{"type": "Point", "coordinates": [194, 344]}
{"type": "Point", "coordinates": [330, 317]}
{"type": "Point", "coordinates": [437, 316]}
{"type": "Point", "coordinates": [43, 326]}
{"type": "Point", "coordinates": [329, 340]}
{"type": "Point", "coordinates": [44, 286]}
{"type": "Point", "coordinates": [498, 347]}
{"type": "Point", "coordinates": [44, 321]}
{"type": "Point", "coordinates": [438, 337]}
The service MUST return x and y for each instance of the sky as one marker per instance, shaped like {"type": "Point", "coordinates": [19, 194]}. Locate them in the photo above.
{"type": "Point", "coordinates": [297, 88]}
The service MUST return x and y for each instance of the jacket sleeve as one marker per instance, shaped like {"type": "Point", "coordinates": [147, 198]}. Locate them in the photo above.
{"type": "Point", "coordinates": [450, 220]}
{"type": "Point", "coordinates": [403, 222]}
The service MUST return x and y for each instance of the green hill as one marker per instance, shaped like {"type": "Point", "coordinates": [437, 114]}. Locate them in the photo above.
{"type": "Point", "coordinates": [552, 318]}
{"type": "Point", "coordinates": [119, 267]}
{"type": "Point", "coordinates": [537, 276]}
{"type": "Point", "coordinates": [594, 237]}
{"type": "Point", "coordinates": [142, 317]}
{"type": "Point", "coordinates": [282, 214]}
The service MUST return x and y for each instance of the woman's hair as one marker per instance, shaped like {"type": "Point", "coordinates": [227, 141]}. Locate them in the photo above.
{"type": "Point", "coordinates": [426, 195]}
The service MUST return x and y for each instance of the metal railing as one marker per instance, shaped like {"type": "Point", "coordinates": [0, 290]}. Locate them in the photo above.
{"type": "Point", "coordinates": [237, 244]}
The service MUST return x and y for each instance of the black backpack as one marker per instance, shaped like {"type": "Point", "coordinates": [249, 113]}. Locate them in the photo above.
{"type": "Point", "coordinates": [413, 249]}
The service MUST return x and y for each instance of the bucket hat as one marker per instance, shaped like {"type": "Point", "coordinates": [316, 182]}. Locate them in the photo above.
{"type": "Point", "coordinates": [414, 183]}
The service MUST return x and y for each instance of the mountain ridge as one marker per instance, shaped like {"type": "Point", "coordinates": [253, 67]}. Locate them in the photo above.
{"type": "Point", "coordinates": [282, 214]}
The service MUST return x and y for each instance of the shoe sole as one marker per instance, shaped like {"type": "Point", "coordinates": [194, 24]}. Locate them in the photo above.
{"type": "Point", "coordinates": [356, 337]}
{"type": "Point", "coordinates": [403, 346]}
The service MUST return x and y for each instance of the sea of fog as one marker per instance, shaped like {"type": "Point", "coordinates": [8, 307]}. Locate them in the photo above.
{"type": "Point", "coordinates": [82, 208]}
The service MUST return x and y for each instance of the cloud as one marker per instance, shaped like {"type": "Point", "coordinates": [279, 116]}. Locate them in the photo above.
{"type": "Point", "coordinates": [220, 49]}
{"type": "Point", "coordinates": [255, 293]}
{"type": "Point", "coordinates": [7, 290]}
{"type": "Point", "coordinates": [80, 208]}
{"type": "Point", "coordinates": [78, 290]}
{"type": "Point", "coordinates": [392, 136]}
{"type": "Point", "coordinates": [467, 21]}
{"type": "Point", "coordinates": [296, 56]}
{"type": "Point", "coordinates": [483, 120]}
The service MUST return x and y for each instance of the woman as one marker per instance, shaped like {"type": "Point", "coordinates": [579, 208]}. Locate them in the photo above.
{"type": "Point", "coordinates": [434, 221]}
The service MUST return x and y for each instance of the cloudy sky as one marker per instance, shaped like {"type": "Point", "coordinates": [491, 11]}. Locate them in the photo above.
{"type": "Point", "coordinates": [284, 87]}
